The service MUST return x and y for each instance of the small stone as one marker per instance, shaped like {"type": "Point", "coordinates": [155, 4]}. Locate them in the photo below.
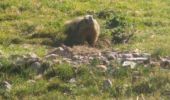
{"type": "Point", "coordinates": [33, 55]}
{"type": "Point", "coordinates": [143, 60]}
{"type": "Point", "coordinates": [36, 66]}
{"type": "Point", "coordinates": [165, 63]}
{"type": "Point", "coordinates": [91, 58]}
{"type": "Point", "coordinates": [111, 55]}
{"type": "Point", "coordinates": [127, 55]}
{"type": "Point", "coordinates": [51, 56]}
{"type": "Point", "coordinates": [38, 77]}
{"type": "Point", "coordinates": [67, 60]}
{"type": "Point", "coordinates": [103, 68]}
{"type": "Point", "coordinates": [19, 61]}
{"type": "Point", "coordinates": [130, 64]}
{"type": "Point", "coordinates": [154, 64]}
{"type": "Point", "coordinates": [72, 80]}
{"type": "Point", "coordinates": [60, 48]}
{"type": "Point", "coordinates": [57, 61]}
{"type": "Point", "coordinates": [75, 57]}
{"type": "Point", "coordinates": [6, 85]}
{"type": "Point", "coordinates": [31, 81]}
{"type": "Point", "coordinates": [107, 84]}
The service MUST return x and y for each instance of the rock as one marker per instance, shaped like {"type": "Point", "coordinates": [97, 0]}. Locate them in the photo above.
{"type": "Point", "coordinates": [57, 61]}
{"type": "Point", "coordinates": [31, 81]}
{"type": "Point", "coordinates": [67, 60]}
{"type": "Point", "coordinates": [154, 64]}
{"type": "Point", "coordinates": [165, 63]}
{"type": "Point", "coordinates": [111, 55]}
{"type": "Point", "coordinates": [37, 67]}
{"type": "Point", "coordinates": [91, 58]}
{"type": "Point", "coordinates": [6, 85]}
{"type": "Point", "coordinates": [20, 61]}
{"type": "Point", "coordinates": [107, 84]}
{"type": "Point", "coordinates": [142, 60]}
{"type": "Point", "coordinates": [102, 68]}
{"type": "Point", "coordinates": [130, 64]}
{"type": "Point", "coordinates": [147, 55]}
{"type": "Point", "coordinates": [72, 80]}
{"type": "Point", "coordinates": [104, 60]}
{"type": "Point", "coordinates": [31, 58]}
{"type": "Point", "coordinates": [15, 57]}
{"type": "Point", "coordinates": [60, 48]}
{"type": "Point", "coordinates": [38, 77]}
{"type": "Point", "coordinates": [126, 55]}
{"type": "Point", "coordinates": [76, 57]}
{"type": "Point", "coordinates": [32, 55]}
{"type": "Point", "coordinates": [51, 56]}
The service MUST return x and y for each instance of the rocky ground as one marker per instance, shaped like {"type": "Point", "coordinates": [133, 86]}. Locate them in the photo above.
{"type": "Point", "coordinates": [79, 55]}
{"type": "Point", "coordinates": [105, 60]}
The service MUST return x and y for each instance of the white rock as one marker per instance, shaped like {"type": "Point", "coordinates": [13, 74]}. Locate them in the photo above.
{"type": "Point", "coordinates": [130, 64]}
{"type": "Point", "coordinates": [91, 58]}
{"type": "Point", "coordinates": [72, 80]}
{"type": "Point", "coordinates": [7, 86]}
{"type": "Point", "coordinates": [60, 48]}
{"type": "Point", "coordinates": [31, 81]}
{"type": "Point", "coordinates": [103, 68]}
{"type": "Point", "coordinates": [33, 55]}
{"type": "Point", "coordinates": [127, 55]}
{"type": "Point", "coordinates": [51, 56]}
{"type": "Point", "coordinates": [112, 55]}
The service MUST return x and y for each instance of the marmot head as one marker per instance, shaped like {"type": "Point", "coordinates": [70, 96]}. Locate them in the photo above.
{"type": "Point", "coordinates": [89, 19]}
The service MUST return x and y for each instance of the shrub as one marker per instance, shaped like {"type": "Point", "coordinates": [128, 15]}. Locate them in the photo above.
{"type": "Point", "coordinates": [120, 28]}
{"type": "Point", "coordinates": [65, 71]}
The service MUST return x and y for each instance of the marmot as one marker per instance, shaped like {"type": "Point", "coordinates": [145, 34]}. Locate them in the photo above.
{"type": "Point", "coordinates": [82, 29]}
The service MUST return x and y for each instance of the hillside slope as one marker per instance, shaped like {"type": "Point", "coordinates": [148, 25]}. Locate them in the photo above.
{"type": "Point", "coordinates": [31, 28]}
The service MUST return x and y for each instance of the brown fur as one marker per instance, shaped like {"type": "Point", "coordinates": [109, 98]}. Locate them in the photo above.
{"type": "Point", "coordinates": [82, 29]}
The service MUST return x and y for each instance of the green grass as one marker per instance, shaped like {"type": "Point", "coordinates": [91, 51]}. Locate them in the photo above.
{"type": "Point", "coordinates": [35, 25]}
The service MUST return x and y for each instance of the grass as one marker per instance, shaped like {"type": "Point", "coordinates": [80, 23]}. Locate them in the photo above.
{"type": "Point", "coordinates": [34, 26]}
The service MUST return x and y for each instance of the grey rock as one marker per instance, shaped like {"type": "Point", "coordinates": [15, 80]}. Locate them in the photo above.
{"type": "Point", "coordinates": [32, 55]}
{"type": "Point", "coordinates": [91, 58]}
{"type": "Point", "coordinates": [104, 60]}
{"type": "Point", "coordinates": [20, 61]}
{"type": "Point", "coordinates": [139, 59]}
{"type": "Point", "coordinates": [60, 48]}
{"type": "Point", "coordinates": [57, 61]}
{"type": "Point", "coordinates": [72, 80]}
{"type": "Point", "coordinates": [76, 57]}
{"type": "Point", "coordinates": [154, 63]}
{"type": "Point", "coordinates": [130, 64]}
{"type": "Point", "coordinates": [107, 84]}
{"type": "Point", "coordinates": [51, 56]}
{"type": "Point", "coordinates": [165, 63]}
{"type": "Point", "coordinates": [36, 66]}
{"type": "Point", "coordinates": [111, 55]}
{"type": "Point", "coordinates": [6, 86]}
{"type": "Point", "coordinates": [31, 81]}
{"type": "Point", "coordinates": [126, 55]}
{"type": "Point", "coordinates": [102, 68]}
{"type": "Point", "coordinates": [142, 55]}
